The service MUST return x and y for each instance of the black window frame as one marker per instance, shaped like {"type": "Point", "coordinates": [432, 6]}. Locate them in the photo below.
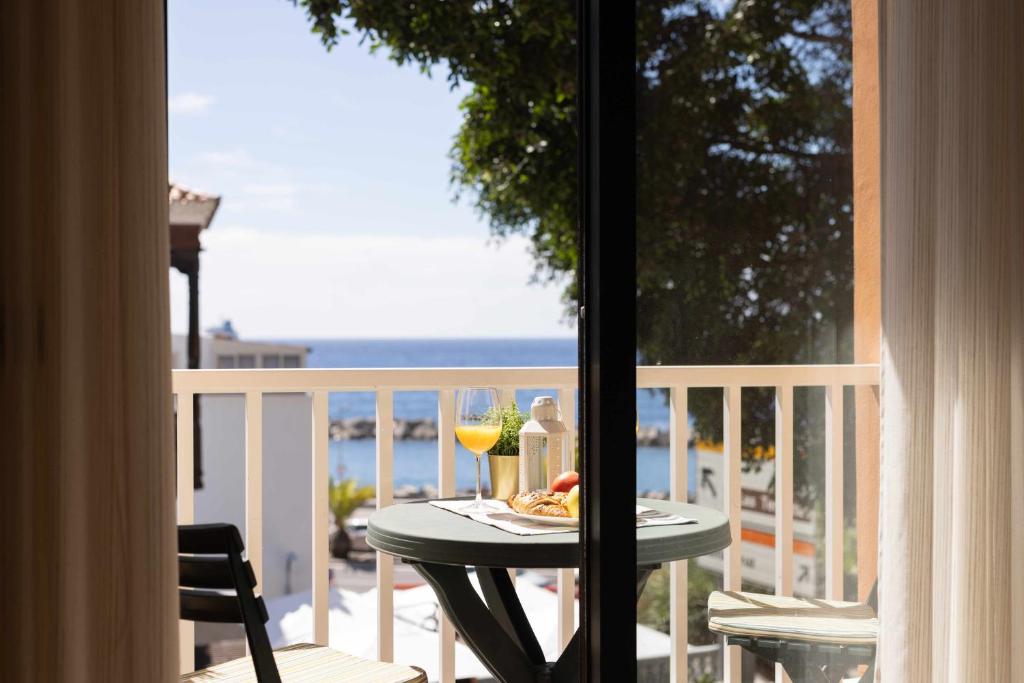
{"type": "Point", "coordinates": [606, 108]}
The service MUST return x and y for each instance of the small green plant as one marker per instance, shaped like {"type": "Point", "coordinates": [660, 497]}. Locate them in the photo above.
{"type": "Point", "coordinates": [346, 496]}
{"type": "Point", "coordinates": [511, 422]}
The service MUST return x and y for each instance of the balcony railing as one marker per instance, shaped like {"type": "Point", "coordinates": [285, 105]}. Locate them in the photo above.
{"type": "Point", "coordinates": [318, 383]}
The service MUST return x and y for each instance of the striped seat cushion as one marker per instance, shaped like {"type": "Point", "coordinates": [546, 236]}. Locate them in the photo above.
{"type": "Point", "coordinates": [304, 663]}
{"type": "Point", "coordinates": [807, 619]}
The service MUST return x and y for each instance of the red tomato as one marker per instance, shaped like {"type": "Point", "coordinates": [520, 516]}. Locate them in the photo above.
{"type": "Point", "coordinates": [565, 481]}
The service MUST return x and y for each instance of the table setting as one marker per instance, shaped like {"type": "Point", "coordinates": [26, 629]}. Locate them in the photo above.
{"type": "Point", "coordinates": [533, 497]}
{"type": "Point", "coordinates": [501, 516]}
{"type": "Point", "coordinates": [532, 522]}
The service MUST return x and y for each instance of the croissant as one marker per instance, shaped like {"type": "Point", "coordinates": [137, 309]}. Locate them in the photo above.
{"type": "Point", "coordinates": [544, 503]}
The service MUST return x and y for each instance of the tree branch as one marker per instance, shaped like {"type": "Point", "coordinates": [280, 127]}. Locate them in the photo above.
{"type": "Point", "coordinates": [784, 151]}
{"type": "Point", "coordinates": [813, 37]}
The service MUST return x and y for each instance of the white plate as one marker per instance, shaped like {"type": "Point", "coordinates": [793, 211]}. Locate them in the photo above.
{"type": "Point", "coordinates": [553, 521]}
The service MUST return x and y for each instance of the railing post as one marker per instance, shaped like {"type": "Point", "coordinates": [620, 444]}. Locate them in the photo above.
{"type": "Point", "coordinates": [254, 483]}
{"type": "Point", "coordinates": [834, 523]}
{"type": "Point", "coordinates": [733, 578]}
{"type": "Point", "coordinates": [446, 485]}
{"type": "Point", "coordinates": [254, 486]}
{"type": "Point", "coordinates": [186, 515]}
{"type": "Point", "coordinates": [385, 497]}
{"type": "Point", "coordinates": [320, 522]}
{"type": "Point", "coordinates": [783, 500]}
{"type": "Point", "coordinates": [506, 398]}
{"type": "Point", "coordinates": [567, 577]}
{"type": "Point", "coordinates": [679, 461]}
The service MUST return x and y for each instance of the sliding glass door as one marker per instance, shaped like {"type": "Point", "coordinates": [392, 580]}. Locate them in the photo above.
{"type": "Point", "coordinates": [716, 229]}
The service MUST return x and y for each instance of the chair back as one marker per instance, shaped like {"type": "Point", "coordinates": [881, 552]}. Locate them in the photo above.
{"type": "Point", "coordinates": [216, 585]}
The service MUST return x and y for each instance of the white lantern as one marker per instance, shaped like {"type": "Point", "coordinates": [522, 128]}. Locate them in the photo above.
{"type": "Point", "coordinates": [542, 443]}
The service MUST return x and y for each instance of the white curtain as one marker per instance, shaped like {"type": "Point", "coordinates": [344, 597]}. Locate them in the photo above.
{"type": "Point", "coordinates": [951, 565]}
{"type": "Point", "coordinates": [88, 574]}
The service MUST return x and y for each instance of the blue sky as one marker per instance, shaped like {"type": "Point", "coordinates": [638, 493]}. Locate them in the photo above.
{"type": "Point", "coordinates": [337, 217]}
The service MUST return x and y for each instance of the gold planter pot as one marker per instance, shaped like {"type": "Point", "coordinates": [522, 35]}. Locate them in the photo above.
{"type": "Point", "coordinates": [504, 471]}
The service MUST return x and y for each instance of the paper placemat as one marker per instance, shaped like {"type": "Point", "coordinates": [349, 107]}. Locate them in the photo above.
{"type": "Point", "coordinates": [502, 517]}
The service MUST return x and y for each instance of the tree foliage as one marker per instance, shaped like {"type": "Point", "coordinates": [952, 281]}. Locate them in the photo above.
{"type": "Point", "coordinates": [744, 208]}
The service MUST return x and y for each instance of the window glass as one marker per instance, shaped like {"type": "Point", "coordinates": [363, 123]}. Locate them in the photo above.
{"type": "Point", "coordinates": [744, 257]}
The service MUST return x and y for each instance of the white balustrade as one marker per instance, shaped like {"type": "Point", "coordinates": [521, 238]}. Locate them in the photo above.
{"type": "Point", "coordinates": [732, 578]}
{"type": "Point", "coordinates": [446, 488]}
{"type": "Point", "coordinates": [320, 521]}
{"type": "Point", "coordinates": [834, 492]}
{"type": "Point", "coordinates": [318, 383]}
{"type": "Point", "coordinates": [254, 482]}
{"type": "Point", "coordinates": [186, 514]}
{"type": "Point", "coordinates": [783, 500]}
{"type": "Point", "coordinates": [385, 487]}
{"type": "Point", "coordinates": [678, 441]}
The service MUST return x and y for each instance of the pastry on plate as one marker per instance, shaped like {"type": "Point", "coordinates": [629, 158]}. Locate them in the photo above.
{"type": "Point", "coordinates": [541, 502]}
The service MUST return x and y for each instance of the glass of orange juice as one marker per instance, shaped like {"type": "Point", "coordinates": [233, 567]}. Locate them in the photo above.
{"type": "Point", "coordinates": [478, 426]}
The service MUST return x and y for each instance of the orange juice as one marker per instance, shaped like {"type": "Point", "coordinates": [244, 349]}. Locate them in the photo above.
{"type": "Point", "coordinates": [478, 438]}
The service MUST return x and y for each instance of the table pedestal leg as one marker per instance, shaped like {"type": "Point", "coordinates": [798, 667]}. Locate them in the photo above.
{"type": "Point", "coordinates": [642, 574]}
{"type": "Point", "coordinates": [497, 630]}
{"type": "Point", "coordinates": [500, 596]}
{"type": "Point", "coordinates": [500, 652]}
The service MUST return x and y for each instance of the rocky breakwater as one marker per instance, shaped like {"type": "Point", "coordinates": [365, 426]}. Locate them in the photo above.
{"type": "Point", "coordinates": [652, 436]}
{"type": "Point", "coordinates": [354, 428]}
{"type": "Point", "coordinates": [425, 429]}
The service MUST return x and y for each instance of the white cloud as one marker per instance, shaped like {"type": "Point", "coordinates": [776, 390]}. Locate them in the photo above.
{"type": "Point", "coordinates": [189, 103]}
{"type": "Point", "coordinates": [298, 285]}
{"type": "Point", "coordinates": [267, 196]}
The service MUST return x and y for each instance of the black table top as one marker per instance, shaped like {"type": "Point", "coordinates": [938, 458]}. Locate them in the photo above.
{"type": "Point", "coordinates": [424, 533]}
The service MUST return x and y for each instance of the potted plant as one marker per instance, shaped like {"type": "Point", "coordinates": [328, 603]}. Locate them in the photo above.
{"type": "Point", "coordinates": [503, 457]}
{"type": "Point", "coordinates": [344, 498]}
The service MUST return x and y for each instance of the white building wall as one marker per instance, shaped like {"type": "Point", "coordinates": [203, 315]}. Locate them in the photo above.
{"type": "Point", "coordinates": [287, 470]}
{"type": "Point", "coordinates": [261, 354]}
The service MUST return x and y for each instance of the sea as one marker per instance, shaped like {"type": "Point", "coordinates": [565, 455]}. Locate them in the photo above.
{"type": "Point", "coordinates": [415, 462]}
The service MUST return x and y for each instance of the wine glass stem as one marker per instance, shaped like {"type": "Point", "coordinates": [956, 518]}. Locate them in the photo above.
{"type": "Point", "coordinates": [479, 496]}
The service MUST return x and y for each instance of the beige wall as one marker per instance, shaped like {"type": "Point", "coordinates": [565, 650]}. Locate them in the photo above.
{"type": "Point", "coordinates": [866, 277]}
{"type": "Point", "coordinates": [87, 541]}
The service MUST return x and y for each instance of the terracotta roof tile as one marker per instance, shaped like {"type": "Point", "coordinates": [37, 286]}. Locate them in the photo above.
{"type": "Point", "coordinates": [191, 207]}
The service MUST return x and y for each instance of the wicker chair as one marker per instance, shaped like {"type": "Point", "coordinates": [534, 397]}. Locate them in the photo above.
{"type": "Point", "coordinates": [216, 585]}
{"type": "Point", "coordinates": [814, 640]}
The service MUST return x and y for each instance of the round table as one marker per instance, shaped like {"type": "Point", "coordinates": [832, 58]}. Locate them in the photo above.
{"type": "Point", "coordinates": [441, 545]}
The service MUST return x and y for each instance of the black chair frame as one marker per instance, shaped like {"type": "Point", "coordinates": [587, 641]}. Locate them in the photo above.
{"type": "Point", "coordinates": [216, 585]}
